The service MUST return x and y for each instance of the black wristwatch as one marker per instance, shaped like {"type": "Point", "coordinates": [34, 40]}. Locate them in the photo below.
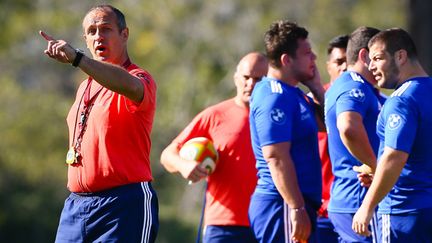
{"type": "Point", "coordinates": [78, 55]}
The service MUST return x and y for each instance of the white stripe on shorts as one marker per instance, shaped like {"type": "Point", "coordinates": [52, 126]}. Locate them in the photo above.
{"type": "Point", "coordinates": [385, 231]}
{"type": "Point", "coordinates": [374, 228]}
{"type": "Point", "coordinates": [288, 230]}
{"type": "Point", "coordinates": [147, 213]}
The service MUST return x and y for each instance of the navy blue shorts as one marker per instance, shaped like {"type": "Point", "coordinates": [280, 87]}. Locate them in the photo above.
{"type": "Point", "coordinates": [343, 226]}
{"type": "Point", "coordinates": [325, 231]}
{"type": "Point", "coordinates": [228, 234]}
{"type": "Point", "coordinates": [269, 218]}
{"type": "Point", "coordinates": [408, 227]}
{"type": "Point", "coordinates": [127, 213]}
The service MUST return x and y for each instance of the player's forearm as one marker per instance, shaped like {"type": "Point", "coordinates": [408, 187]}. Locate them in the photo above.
{"type": "Point", "coordinates": [362, 151]}
{"type": "Point", "coordinates": [387, 173]}
{"type": "Point", "coordinates": [114, 78]}
{"type": "Point", "coordinates": [170, 159]}
{"type": "Point", "coordinates": [318, 92]}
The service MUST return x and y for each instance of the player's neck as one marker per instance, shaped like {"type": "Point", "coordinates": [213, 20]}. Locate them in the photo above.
{"type": "Point", "coordinates": [414, 70]}
{"type": "Point", "coordinates": [239, 102]}
{"type": "Point", "coordinates": [282, 75]}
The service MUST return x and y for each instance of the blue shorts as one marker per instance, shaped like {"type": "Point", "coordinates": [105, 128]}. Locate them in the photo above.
{"type": "Point", "coordinates": [343, 227]}
{"type": "Point", "coordinates": [127, 213]}
{"type": "Point", "coordinates": [269, 218]}
{"type": "Point", "coordinates": [228, 234]}
{"type": "Point", "coordinates": [325, 231]}
{"type": "Point", "coordinates": [408, 227]}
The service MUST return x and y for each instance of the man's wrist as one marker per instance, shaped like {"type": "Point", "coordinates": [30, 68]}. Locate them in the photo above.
{"type": "Point", "coordinates": [78, 56]}
{"type": "Point", "coordinates": [302, 208]}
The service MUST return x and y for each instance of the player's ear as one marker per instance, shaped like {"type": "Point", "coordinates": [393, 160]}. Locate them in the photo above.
{"type": "Point", "coordinates": [285, 59]}
{"type": "Point", "coordinates": [85, 39]}
{"type": "Point", "coordinates": [401, 57]}
{"type": "Point", "coordinates": [363, 56]}
{"type": "Point", "coordinates": [125, 33]}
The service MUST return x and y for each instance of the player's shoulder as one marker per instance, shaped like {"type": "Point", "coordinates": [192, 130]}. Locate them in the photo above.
{"type": "Point", "coordinates": [345, 83]}
{"type": "Point", "coordinates": [223, 105]}
{"type": "Point", "coordinates": [141, 73]}
{"type": "Point", "coordinates": [216, 109]}
{"type": "Point", "coordinates": [413, 88]}
{"type": "Point", "coordinates": [269, 86]}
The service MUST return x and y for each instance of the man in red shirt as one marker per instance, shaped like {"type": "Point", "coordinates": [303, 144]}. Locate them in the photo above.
{"type": "Point", "coordinates": [109, 124]}
{"type": "Point", "coordinates": [232, 183]}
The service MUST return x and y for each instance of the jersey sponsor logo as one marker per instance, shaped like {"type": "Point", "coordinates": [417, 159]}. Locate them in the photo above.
{"type": "Point", "coordinates": [276, 87]}
{"type": "Point", "coordinates": [304, 112]}
{"type": "Point", "coordinates": [278, 116]}
{"type": "Point", "coordinates": [401, 89]}
{"type": "Point", "coordinates": [358, 94]}
{"type": "Point", "coordinates": [356, 77]}
{"type": "Point", "coordinates": [394, 121]}
{"type": "Point", "coordinates": [142, 76]}
{"type": "Point", "coordinates": [302, 108]}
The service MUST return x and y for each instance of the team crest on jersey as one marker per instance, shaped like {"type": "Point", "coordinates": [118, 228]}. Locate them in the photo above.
{"type": "Point", "coordinates": [357, 94]}
{"type": "Point", "coordinates": [394, 121]}
{"type": "Point", "coordinates": [278, 116]}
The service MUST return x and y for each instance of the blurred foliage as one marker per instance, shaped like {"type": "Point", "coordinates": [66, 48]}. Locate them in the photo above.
{"type": "Point", "coordinates": [191, 48]}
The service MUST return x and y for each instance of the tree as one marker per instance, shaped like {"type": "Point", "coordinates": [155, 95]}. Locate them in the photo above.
{"type": "Point", "coordinates": [419, 20]}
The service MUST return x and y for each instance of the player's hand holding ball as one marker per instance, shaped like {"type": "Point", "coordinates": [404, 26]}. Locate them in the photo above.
{"type": "Point", "coordinates": [201, 150]}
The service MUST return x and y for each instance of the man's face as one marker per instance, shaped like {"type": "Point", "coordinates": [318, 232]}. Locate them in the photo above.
{"type": "Point", "coordinates": [103, 37]}
{"type": "Point", "coordinates": [304, 62]}
{"type": "Point", "coordinates": [383, 66]}
{"type": "Point", "coordinates": [336, 63]}
{"type": "Point", "coordinates": [248, 73]}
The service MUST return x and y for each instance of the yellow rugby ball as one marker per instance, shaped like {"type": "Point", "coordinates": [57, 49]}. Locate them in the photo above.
{"type": "Point", "coordinates": [202, 150]}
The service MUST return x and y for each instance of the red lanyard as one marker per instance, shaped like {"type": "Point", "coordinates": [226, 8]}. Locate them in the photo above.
{"type": "Point", "coordinates": [74, 154]}
{"type": "Point", "coordinates": [88, 105]}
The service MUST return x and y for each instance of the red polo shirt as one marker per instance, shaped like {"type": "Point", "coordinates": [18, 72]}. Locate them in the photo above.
{"type": "Point", "coordinates": [116, 144]}
{"type": "Point", "coordinates": [232, 183]}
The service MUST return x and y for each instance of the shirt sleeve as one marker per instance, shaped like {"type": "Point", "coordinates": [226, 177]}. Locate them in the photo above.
{"type": "Point", "coordinates": [401, 123]}
{"type": "Point", "coordinates": [149, 92]}
{"type": "Point", "coordinates": [198, 127]}
{"type": "Point", "coordinates": [353, 99]}
{"type": "Point", "coordinates": [274, 118]}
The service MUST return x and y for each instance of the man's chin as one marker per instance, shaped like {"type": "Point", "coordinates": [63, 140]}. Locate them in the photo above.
{"type": "Point", "coordinates": [306, 78]}
{"type": "Point", "coordinates": [101, 58]}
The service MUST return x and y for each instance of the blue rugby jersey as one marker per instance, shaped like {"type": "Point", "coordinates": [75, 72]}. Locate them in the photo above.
{"type": "Point", "coordinates": [350, 92]}
{"type": "Point", "coordinates": [282, 113]}
{"type": "Point", "coordinates": [405, 124]}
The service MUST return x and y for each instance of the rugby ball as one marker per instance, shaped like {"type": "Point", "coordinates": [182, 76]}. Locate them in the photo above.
{"type": "Point", "coordinates": [202, 150]}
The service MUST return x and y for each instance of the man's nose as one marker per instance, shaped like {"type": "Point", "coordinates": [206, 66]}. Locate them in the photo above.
{"type": "Point", "coordinates": [371, 66]}
{"type": "Point", "coordinates": [98, 35]}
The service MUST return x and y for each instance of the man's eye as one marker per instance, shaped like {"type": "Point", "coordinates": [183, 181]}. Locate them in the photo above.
{"type": "Point", "coordinates": [340, 61]}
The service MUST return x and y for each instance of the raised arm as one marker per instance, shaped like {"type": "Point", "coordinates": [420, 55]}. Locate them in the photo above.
{"type": "Point", "coordinates": [111, 76]}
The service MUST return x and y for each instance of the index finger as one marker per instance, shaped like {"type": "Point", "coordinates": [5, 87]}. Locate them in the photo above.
{"type": "Point", "coordinates": [45, 36]}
